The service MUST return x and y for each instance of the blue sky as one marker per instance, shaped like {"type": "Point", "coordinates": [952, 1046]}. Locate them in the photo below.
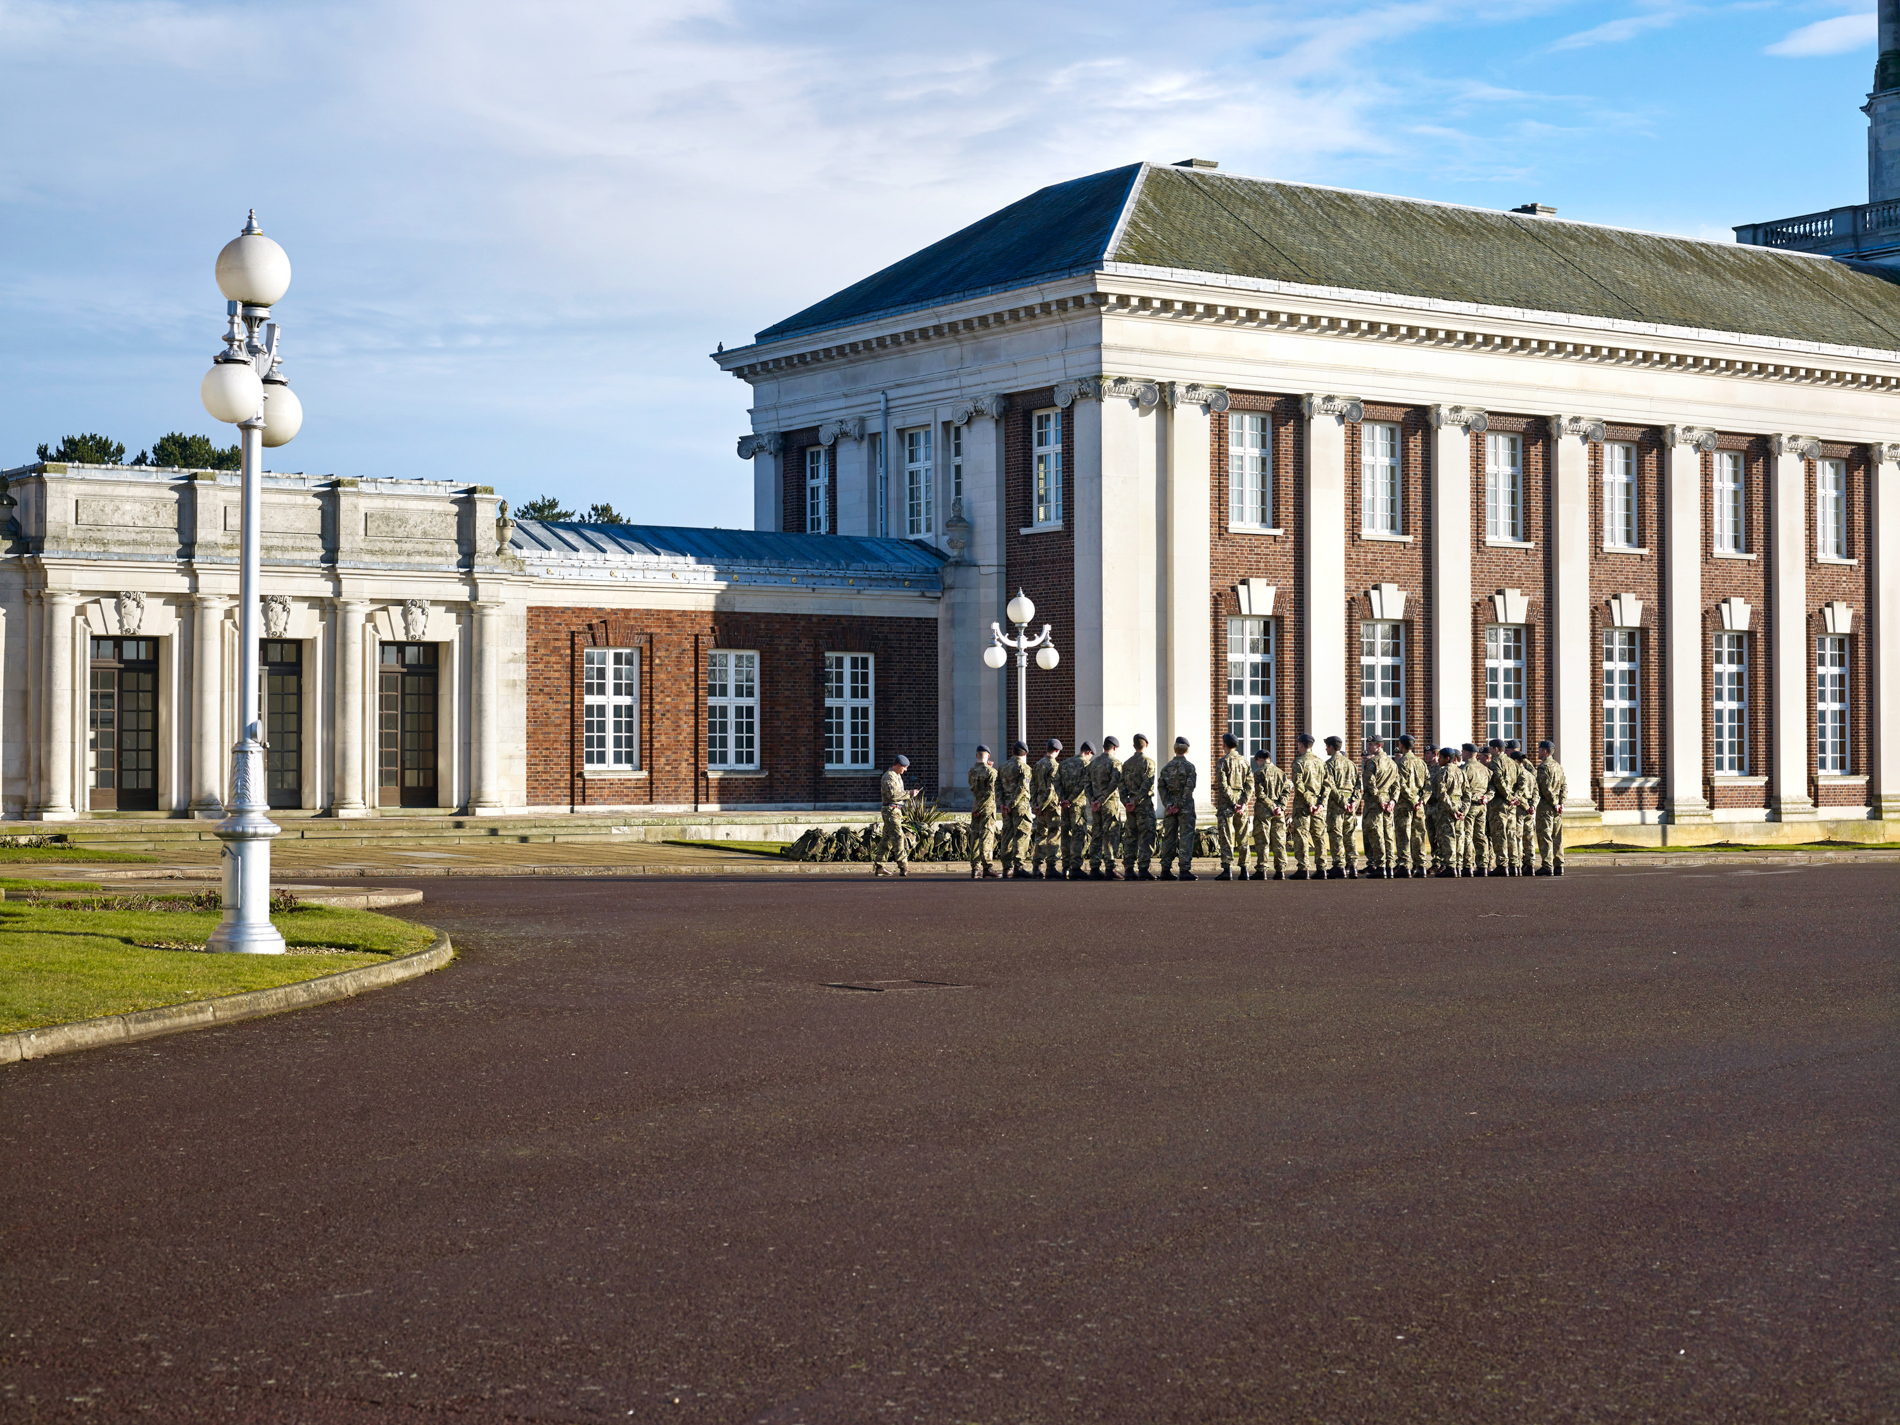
{"type": "Point", "coordinates": [518, 229]}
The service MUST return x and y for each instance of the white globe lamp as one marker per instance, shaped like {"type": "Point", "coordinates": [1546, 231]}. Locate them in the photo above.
{"type": "Point", "coordinates": [1047, 658]}
{"type": "Point", "coordinates": [283, 414]}
{"type": "Point", "coordinates": [231, 391]}
{"type": "Point", "coordinates": [1021, 610]}
{"type": "Point", "coordinates": [252, 269]}
{"type": "Point", "coordinates": [995, 656]}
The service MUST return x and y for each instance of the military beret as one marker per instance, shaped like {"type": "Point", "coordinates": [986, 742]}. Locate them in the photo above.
{"type": "Point", "coordinates": [1544, 747]}
{"type": "Point", "coordinates": [901, 760]}
{"type": "Point", "coordinates": [1055, 744]}
{"type": "Point", "coordinates": [1305, 739]}
{"type": "Point", "coordinates": [1016, 747]}
{"type": "Point", "coordinates": [1405, 739]}
{"type": "Point", "coordinates": [1333, 742]}
{"type": "Point", "coordinates": [1227, 739]}
{"type": "Point", "coordinates": [1260, 754]}
{"type": "Point", "coordinates": [981, 748]}
{"type": "Point", "coordinates": [1085, 748]}
{"type": "Point", "coordinates": [1108, 742]}
{"type": "Point", "coordinates": [1181, 742]}
{"type": "Point", "coordinates": [1141, 737]}
{"type": "Point", "coordinates": [1469, 748]}
{"type": "Point", "coordinates": [1448, 752]}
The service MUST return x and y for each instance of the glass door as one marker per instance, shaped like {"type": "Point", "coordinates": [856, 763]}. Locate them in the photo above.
{"type": "Point", "coordinates": [281, 669]}
{"type": "Point", "coordinates": [405, 725]}
{"type": "Point", "coordinates": [122, 724]}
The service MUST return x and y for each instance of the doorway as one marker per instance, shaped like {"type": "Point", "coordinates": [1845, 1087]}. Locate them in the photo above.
{"type": "Point", "coordinates": [406, 696]}
{"type": "Point", "coordinates": [122, 724]}
{"type": "Point", "coordinates": [281, 668]}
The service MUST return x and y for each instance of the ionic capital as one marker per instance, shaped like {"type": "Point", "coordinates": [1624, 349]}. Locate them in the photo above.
{"type": "Point", "coordinates": [1193, 393]}
{"type": "Point", "coordinates": [1695, 437]}
{"type": "Point", "coordinates": [993, 406]}
{"type": "Point", "coordinates": [763, 443]}
{"type": "Point", "coordinates": [1587, 429]}
{"type": "Point", "coordinates": [1470, 419]}
{"type": "Point", "coordinates": [1886, 453]}
{"type": "Point", "coordinates": [1346, 408]}
{"type": "Point", "coordinates": [1806, 447]}
{"type": "Point", "coordinates": [832, 431]}
{"type": "Point", "coordinates": [1146, 394]}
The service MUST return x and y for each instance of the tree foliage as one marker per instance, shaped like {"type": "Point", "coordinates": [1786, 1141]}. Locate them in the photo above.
{"type": "Point", "coordinates": [544, 507]}
{"type": "Point", "coordinates": [604, 514]}
{"type": "Point", "coordinates": [85, 450]}
{"type": "Point", "coordinates": [191, 452]}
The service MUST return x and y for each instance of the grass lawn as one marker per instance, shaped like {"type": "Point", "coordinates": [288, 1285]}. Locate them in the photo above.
{"type": "Point", "coordinates": [65, 855]}
{"type": "Point", "coordinates": [1616, 848]}
{"type": "Point", "coordinates": [13, 883]}
{"type": "Point", "coordinates": [61, 965]}
{"type": "Point", "coordinates": [752, 848]}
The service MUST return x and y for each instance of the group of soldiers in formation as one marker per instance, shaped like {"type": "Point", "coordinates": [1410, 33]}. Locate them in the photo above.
{"type": "Point", "coordinates": [1474, 811]}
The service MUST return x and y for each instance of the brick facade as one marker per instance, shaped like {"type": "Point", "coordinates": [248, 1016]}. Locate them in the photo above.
{"type": "Point", "coordinates": [792, 454]}
{"type": "Point", "coordinates": [1493, 569]}
{"type": "Point", "coordinates": [673, 645]}
{"type": "Point", "coordinates": [1374, 561]}
{"type": "Point", "coordinates": [1747, 579]}
{"type": "Point", "coordinates": [1852, 584]}
{"type": "Point", "coordinates": [1614, 572]}
{"type": "Point", "coordinates": [1042, 565]}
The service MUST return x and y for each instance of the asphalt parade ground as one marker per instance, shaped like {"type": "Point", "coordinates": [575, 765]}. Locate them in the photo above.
{"type": "Point", "coordinates": [1611, 1147]}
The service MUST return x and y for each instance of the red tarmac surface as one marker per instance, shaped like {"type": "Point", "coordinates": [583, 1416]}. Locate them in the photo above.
{"type": "Point", "coordinates": [1616, 1147]}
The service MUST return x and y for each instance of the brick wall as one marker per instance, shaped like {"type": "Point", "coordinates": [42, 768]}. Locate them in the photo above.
{"type": "Point", "coordinates": [1043, 567]}
{"type": "Point", "coordinates": [1376, 561]}
{"type": "Point", "coordinates": [673, 645]}
{"type": "Point", "coordinates": [792, 453]}
{"type": "Point", "coordinates": [1279, 559]}
{"type": "Point", "coordinates": [1641, 575]}
{"type": "Point", "coordinates": [1852, 583]}
{"type": "Point", "coordinates": [1523, 569]}
{"type": "Point", "coordinates": [1745, 579]}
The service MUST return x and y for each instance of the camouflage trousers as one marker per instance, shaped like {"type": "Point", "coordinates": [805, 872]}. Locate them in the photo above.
{"type": "Point", "coordinates": [1177, 839]}
{"type": "Point", "coordinates": [1138, 836]}
{"type": "Point", "coordinates": [1411, 836]}
{"type": "Point", "coordinates": [1507, 836]}
{"type": "Point", "coordinates": [890, 842]}
{"type": "Point", "coordinates": [1015, 848]}
{"type": "Point", "coordinates": [1378, 828]}
{"type": "Point", "coordinates": [982, 838]}
{"type": "Point", "coordinates": [1075, 835]}
{"type": "Point", "coordinates": [1047, 846]}
{"type": "Point", "coordinates": [1106, 842]}
{"type": "Point", "coordinates": [1268, 831]}
{"type": "Point", "coordinates": [1230, 834]}
{"type": "Point", "coordinates": [1477, 846]}
{"type": "Point", "coordinates": [1550, 836]}
{"type": "Point", "coordinates": [1308, 835]}
{"type": "Point", "coordinates": [1340, 824]}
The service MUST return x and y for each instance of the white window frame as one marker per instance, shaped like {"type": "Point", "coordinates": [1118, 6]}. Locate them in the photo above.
{"type": "Point", "coordinates": [920, 482]}
{"type": "Point", "coordinates": [1619, 495]}
{"type": "Point", "coordinates": [1382, 679]}
{"type": "Point", "coordinates": [1504, 488]}
{"type": "Point", "coordinates": [1622, 665]}
{"type": "Point", "coordinates": [1505, 646]}
{"type": "Point", "coordinates": [1729, 704]}
{"type": "Point", "coordinates": [817, 491]}
{"type": "Point", "coordinates": [732, 710]}
{"type": "Point", "coordinates": [1045, 475]}
{"type": "Point", "coordinates": [1730, 506]}
{"type": "Point", "coordinates": [1831, 755]}
{"type": "Point", "coordinates": [954, 449]}
{"type": "Point", "coordinates": [1249, 470]}
{"type": "Point", "coordinates": [1251, 683]}
{"type": "Point", "coordinates": [1381, 506]}
{"type": "Point", "coordinates": [1830, 508]}
{"type": "Point", "coordinates": [850, 711]}
{"type": "Point", "coordinates": [610, 709]}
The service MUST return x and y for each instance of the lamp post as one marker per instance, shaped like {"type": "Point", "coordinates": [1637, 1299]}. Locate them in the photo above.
{"type": "Point", "coordinates": [1020, 612]}
{"type": "Point", "coordinates": [246, 388]}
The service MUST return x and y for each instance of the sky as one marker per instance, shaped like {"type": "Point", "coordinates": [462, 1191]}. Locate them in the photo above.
{"type": "Point", "coordinates": [517, 230]}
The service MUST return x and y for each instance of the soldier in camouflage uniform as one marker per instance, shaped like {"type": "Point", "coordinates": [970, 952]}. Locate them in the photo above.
{"type": "Point", "coordinates": [1072, 796]}
{"type": "Point", "coordinates": [982, 815]}
{"type": "Point", "coordinates": [1552, 788]}
{"type": "Point", "coordinates": [1342, 806]}
{"type": "Point", "coordinates": [1177, 782]}
{"type": "Point", "coordinates": [1105, 810]}
{"type": "Point", "coordinates": [1233, 785]}
{"type": "Point", "coordinates": [1379, 780]}
{"type": "Point", "coordinates": [1046, 851]}
{"type": "Point", "coordinates": [1448, 809]}
{"type": "Point", "coordinates": [1012, 790]}
{"type": "Point", "coordinates": [1309, 805]}
{"type": "Point", "coordinates": [1526, 808]}
{"type": "Point", "coordinates": [1501, 819]}
{"type": "Point", "coordinates": [1409, 824]}
{"type": "Point", "coordinates": [894, 799]}
{"type": "Point", "coordinates": [1272, 804]}
{"type": "Point", "coordinates": [1478, 794]}
{"type": "Point", "coordinates": [1137, 795]}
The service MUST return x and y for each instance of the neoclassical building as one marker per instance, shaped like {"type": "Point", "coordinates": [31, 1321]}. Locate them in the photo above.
{"type": "Point", "coordinates": [1268, 457]}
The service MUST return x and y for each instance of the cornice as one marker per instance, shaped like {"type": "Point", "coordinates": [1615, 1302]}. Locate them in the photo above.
{"type": "Point", "coordinates": [1463, 327]}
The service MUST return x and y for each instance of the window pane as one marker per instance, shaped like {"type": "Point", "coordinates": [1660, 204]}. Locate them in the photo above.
{"type": "Point", "coordinates": [1620, 701]}
{"type": "Point", "coordinates": [1379, 478]}
{"type": "Point", "coordinates": [1249, 469]}
{"type": "Point", "coordinates": [1048, 468]}
{"type": "Point", "coordinates": [1730, 704]}
{"type": "Point", "coordinates": [1250, 682]}
{"type": "Point", "coordinates": [1619, 495]}
{"type": "Point", "coordinates": [1830, 696]}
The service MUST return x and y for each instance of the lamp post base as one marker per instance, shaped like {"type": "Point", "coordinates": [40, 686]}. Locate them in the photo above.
{"type": "Point", "coordinates": [246, 834]}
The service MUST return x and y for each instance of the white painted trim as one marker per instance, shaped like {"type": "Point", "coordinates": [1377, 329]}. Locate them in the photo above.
{"type": "Point", "coordinates": [1378, 536]}
{"type": "Point", "coordinates": [1626, 549]}
{"type": "Point", "coordinates": [1731, 554]}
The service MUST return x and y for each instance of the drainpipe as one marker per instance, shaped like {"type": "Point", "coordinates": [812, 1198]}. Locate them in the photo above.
{"type": "Point", "coordinates": [883, 463]}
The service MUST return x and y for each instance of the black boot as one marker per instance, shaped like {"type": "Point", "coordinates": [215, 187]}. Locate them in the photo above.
{"type": "Point", "coordinates": [1352, 874]}
{"type": "Point", "coordinates": [1402, 874]}
{"type": "Point", "coordinates": [1279, 875]}
{"type": "Point", "coordinates": [1260, 874]}
{"type": "Point", "coordinates": [1109, 873]}
{"type": "Point", "coordinates": [1146, 874]}
{"type": "Point", "coordinates": [1189, 876]}
{"type": "Point", "coordinates": [1560, 869]}
{"type": "Point", "coordinates": [1225, 875]}
{"type": "Point", "coordinates": [1298, 874]}
{"type": "Point", "coordinates": [1167, 874]}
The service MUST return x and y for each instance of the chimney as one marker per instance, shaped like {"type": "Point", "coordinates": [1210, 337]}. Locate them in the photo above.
{"type": "Point", "coordinates": [1538, 210]}
{"type": "Point", "coordinates": [1210, 163]}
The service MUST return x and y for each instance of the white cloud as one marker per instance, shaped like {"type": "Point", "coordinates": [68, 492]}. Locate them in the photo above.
{"type": "Point", "coordinates": [1658, 15]}
{"type": "Point", "coordinates": [1835, 36]}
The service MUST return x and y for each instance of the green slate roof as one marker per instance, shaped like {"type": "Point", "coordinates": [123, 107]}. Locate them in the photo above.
{"type": "Point", "coordinates": [1200, 221]}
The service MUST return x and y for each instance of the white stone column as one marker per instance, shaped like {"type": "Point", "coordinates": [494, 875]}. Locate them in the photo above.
{"type": "Point", "coordinates": [1682, 690]}
{"type": "Point", "coordinates": [1131, 647]}
{"type": "Point", "coordinates": [35, 705]}
{"type": "Point", "coordinates": [1324, 597]}
{"type": "Point", "coordinates": [1452, 429]}
{"type": "Point", "coordinates": [857, 480]}
{"type": "Point", "coordinates": [209, 737]}
{"type": "Point", "coordinates": [346, 797]}
{"type": "Point", "coordinates": [1189, 584]}
{"type": "Point", "coordinates": [485, 720]}
{"type": "Point", "coordinates": [1574, 671]}
{"type": "Point", "coordinates": [1789, 717]}
{"type": "Point", "coordinates": [768, 478]}
{"type": "Point", "coordinates": [61, 723]}
{"type": "Point", "coordinates": [1882, 637]}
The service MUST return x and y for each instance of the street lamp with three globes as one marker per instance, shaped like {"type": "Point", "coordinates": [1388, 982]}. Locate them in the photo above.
{"type": "Point", "coordinates": [1020, 612]}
